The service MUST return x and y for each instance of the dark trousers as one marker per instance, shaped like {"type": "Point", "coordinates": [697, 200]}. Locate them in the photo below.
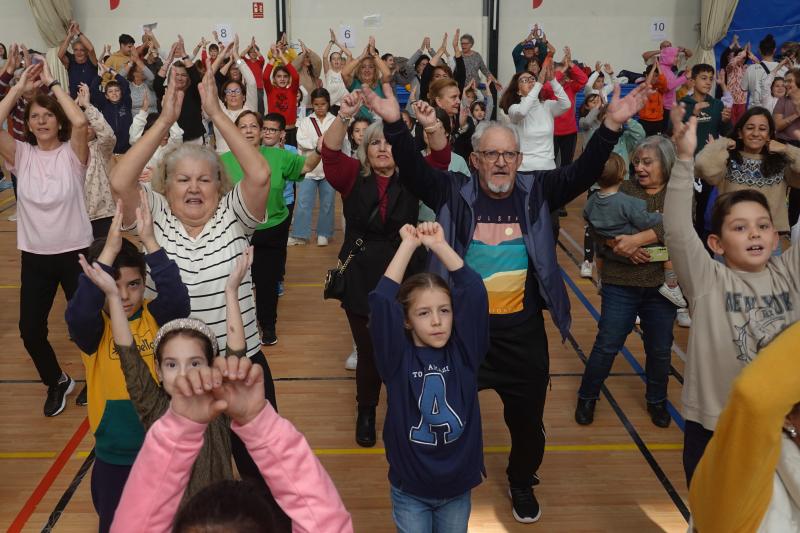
{"type": "Point", "coordinates": [564, 145]}
{"type": "Point", "coordinates": [41, 276]}
{"type": "Point", "coordinates": [101, 227]}
{"type": "Point", "coordinates": [269, 263]}
{"type": "Point", "coordinates": [619, 308]}
{"type": "Point", "coordinates": [248, 468]}
{"type": "Point", "coordinates": [291, 136]}
{"type": "Point", "coordinates": [794, 196]}
{"type": "Point", "coordinates": [290, 207]}
{"type": "Point", "coordinates": [368, 381]}
{"type": "Point", "coordinates": [517, 367]}
{"type": "Point", "coordinates": [261, 102]}
{"type": "Point", "coordinates": [695, 440]}
{"type": "Point", "coordinates": [106, 486]}
{"type": "Point", "coordinates": [652, 127]}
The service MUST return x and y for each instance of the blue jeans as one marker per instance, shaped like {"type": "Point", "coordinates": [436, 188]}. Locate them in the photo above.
{"type": "Point", "coordinates": [618, 313]}
{"type": "Point", "coordinates": [413, 514]}
{"type": "Point", "coordinates": [306, 198]}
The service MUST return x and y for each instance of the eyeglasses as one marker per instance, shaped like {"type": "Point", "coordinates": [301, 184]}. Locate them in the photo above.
{"type": "Point", "coordinates": [233, 91]}
{"type": "Point", "coordinates": [271, 130]}
{"type": "Point", "coordinates": [493, 155]}
{"type": "Point", "coordinates": [526, 79]}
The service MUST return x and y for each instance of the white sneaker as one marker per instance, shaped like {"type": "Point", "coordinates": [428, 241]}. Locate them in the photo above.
{"type": "Point", "coordinates": [673, 294]}
{"type": "Point", "coordinates": [293, 241]}
{"type": "Point", "coordinates": [352, 360]}
{"type": "Point", "coordinates": [13, 218]}
{"type": "Point", "coordinates": [638, 320]}
{"type": "Point", "coordinates": [684, 320]}
{"type": "Point", "coordinates": [322, 241]}
{"type": "Point", "coordinates": [586, 270]}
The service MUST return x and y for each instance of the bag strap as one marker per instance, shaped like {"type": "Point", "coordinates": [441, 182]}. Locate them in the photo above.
{"type": "Point", "coordinates": [764, 66]}
{"type": "Point", "coordinates": [316, 126]}
{"type": "Point", "coordinates": [359, 244]}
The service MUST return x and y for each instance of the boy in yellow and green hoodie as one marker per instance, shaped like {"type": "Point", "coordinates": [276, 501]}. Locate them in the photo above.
{"type": "Point", "coordinates": [112, 418]}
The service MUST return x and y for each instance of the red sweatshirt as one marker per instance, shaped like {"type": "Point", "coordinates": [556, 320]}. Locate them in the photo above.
{"type": "Point", "coordinates": [566, 124]}
{"type": "Point", "coordinates": [282, 100]}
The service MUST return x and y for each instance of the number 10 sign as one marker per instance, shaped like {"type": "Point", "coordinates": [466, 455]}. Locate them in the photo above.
{"type": "Point", "coordinates": [658, 29]}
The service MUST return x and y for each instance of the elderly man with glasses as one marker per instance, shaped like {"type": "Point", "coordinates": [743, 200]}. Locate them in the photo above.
{"type": "Point", "coordinates": [498, 220]}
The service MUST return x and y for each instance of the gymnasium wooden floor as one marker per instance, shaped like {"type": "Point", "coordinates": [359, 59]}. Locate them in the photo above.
{"type": "Point", "coordinates": [620, 474]}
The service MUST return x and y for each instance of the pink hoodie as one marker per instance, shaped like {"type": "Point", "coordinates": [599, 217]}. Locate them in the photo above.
{"type": "Point", "coordinates": [299, 483]}
{"type": "Point", "coordinates": [667, 58]}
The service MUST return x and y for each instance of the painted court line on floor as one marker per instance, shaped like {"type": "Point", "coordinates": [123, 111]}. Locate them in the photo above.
{"type": "Point", "coordinates": [50, 476]}
{"type": "Point", "coordinates": [614, 447]}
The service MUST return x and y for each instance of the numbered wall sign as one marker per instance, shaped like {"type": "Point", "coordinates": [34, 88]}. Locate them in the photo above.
{"type": "Point", "coordinates": [347, 36]}
{"type": "Point", "coordinates": [658, 29]}
{"type": "Point", "coordinates": [225, 33]}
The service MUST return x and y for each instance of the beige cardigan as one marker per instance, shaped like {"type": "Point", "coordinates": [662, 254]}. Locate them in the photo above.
{"type": "Point", "coordinates": [97, 190]}
{"type": "Point", "coordinates": [712, 165]}
{"type": "Point", "coordinates": [306, 80]}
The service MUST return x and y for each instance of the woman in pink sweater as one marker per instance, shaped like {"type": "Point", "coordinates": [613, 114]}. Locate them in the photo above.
{"type": "Point", "coordinates": [299, 483]}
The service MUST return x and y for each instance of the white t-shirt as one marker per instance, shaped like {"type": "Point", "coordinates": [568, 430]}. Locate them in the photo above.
{"type": "Point", "coordinates": [335, 86]}
{"type": "Point", "coordinates": [50, 200]}
{"type": "Point", "coordinates": [206, 261]}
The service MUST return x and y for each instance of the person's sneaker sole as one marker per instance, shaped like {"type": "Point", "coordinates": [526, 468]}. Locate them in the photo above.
{"type": "Point", "coordinates": [64, 399]}
{"type": "Point", "coordinates": [519, 518]}
{"type": "Point", "coordinates": [672, 297]}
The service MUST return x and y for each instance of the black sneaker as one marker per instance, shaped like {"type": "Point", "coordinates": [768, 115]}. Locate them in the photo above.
{"type": "Point", "coordinates": [584, 412]}
{"type": "Point", "coordinates": [365, 427]}
{"type": "Point", "coordinates": [659, 414]}
{"type": "Point", "coordinates": [524, 506]}
{"type": "Point", "coordinates": [268, 337]}
{"type": "Point", "coordinates": [82, 399]}
{"type": "Point", "coordinates": [57, 396]}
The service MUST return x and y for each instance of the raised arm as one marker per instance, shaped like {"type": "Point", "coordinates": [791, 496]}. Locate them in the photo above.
{"type": "Point", "coordinates": [79, 139]}
{"type": "Point", "coordinates": [711, 163]}
{"type": "Point", "coordinates": [256, 171]}
{"type": "Point", "coordinates": [233, 312]}
{"type": "Point", "coordinates": [62, 49]}
{"type": "Point", "coordinates": [124, 177]}
{"type": "Point", "coordinates": [8, 145]}
{"type": "Point", "coordinates": [691, 262]}
{"type": "Point", "coordinates": [326, 64]}
{"type": "Point", "coordinates": [349, 70]}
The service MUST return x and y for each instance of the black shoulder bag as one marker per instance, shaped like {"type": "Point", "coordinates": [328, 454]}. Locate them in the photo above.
{"type": "Point", "coordinates": [334, 279]}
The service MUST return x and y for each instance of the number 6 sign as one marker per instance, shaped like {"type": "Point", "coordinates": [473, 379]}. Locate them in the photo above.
{"type": "Point", "coordinates": [347, 36]}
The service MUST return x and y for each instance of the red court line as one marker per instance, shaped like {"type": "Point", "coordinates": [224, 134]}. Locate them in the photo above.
{"type": "Point", "coordinates": [49, 477]}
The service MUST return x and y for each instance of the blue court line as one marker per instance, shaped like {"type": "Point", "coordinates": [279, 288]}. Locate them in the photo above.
{"type": "Point", "coordinates": [676, 416]}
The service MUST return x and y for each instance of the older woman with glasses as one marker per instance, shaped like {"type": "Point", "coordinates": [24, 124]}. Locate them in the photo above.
{"type": "Point", "coordinates": [376, 206]}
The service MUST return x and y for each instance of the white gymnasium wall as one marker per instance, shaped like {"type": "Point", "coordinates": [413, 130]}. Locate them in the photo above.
{"type": "Point", "coordinates": [616, 31]}
{"type": "Point", "coordinates": [402, 25]}
{"type": "Point", "coordinates": [613, 30]}
{"type": "Point", "coordinates": [17, 25]}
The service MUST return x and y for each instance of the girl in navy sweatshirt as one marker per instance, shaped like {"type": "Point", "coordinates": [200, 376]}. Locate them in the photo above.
{"type": "Point", "coordinates": [430, 340]}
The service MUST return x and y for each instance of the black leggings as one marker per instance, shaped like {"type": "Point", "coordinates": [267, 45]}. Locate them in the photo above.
{"type": "Point", "coordinates": [41, 276]}
{"type": "Point", "coordinates": [248, 468]}
{"type": "Point", "coordinates": [269, 263]}
{"type": "Point", "coordinates": [368, 381]}
{"type": "Point", "coordinates": [588, 241]}
{"type": "Point", "coordinates": [565, 146]}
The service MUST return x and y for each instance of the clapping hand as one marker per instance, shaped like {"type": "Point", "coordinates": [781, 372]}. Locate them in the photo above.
{"type": "Point", "coordinates": [208, 93]}
{"type": "Point", "coordinates": [83, 96]}
{"type": "Point", "coordinates": [684, 134]}
{"type": "Point", "coordinates": [425, 113]}
{"type": "Point", "coordinates": [386, 108]}
{"type": "Point", "coordinates": [242, 388]}
{"type": "Point", "coordinates": [351, 103]}
{"type": "Point", "coordinates": [430, 234]}
{"type": "Point", "coordinates": [409, 236]}
{"type": "Point", "coordinates": [198, 395]}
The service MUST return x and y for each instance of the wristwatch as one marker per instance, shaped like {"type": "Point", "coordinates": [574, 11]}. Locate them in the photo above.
{"type": "Point", "coordinates": [345, 120]}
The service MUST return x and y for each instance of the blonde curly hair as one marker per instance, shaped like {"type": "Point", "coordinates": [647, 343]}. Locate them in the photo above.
{"type": "Point", "coordinates": [192, 151]}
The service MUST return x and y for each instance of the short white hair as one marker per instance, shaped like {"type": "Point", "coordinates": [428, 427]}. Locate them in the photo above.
{"type": "Point", "coordinates": [487, 125]}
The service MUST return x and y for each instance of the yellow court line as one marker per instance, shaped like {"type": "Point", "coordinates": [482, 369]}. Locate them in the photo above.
{"type": "Point", "coordinates": [380, 451]}
{"type": "Point", "coordinates": [8, 201]}
{"type": "Point", "coordinates": [9, 286]}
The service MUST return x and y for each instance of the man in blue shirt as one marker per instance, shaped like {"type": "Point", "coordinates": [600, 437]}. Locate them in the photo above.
{"type": "Point", "coordinates": [81, 64]}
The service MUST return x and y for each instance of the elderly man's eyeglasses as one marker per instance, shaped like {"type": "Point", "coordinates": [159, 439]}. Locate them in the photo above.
{"type": "Point", "coordinates": [493, 155]}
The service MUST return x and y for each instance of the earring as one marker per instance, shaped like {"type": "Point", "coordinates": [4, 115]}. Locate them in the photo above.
{"type": "Point", "coordinates": [791, 431]}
